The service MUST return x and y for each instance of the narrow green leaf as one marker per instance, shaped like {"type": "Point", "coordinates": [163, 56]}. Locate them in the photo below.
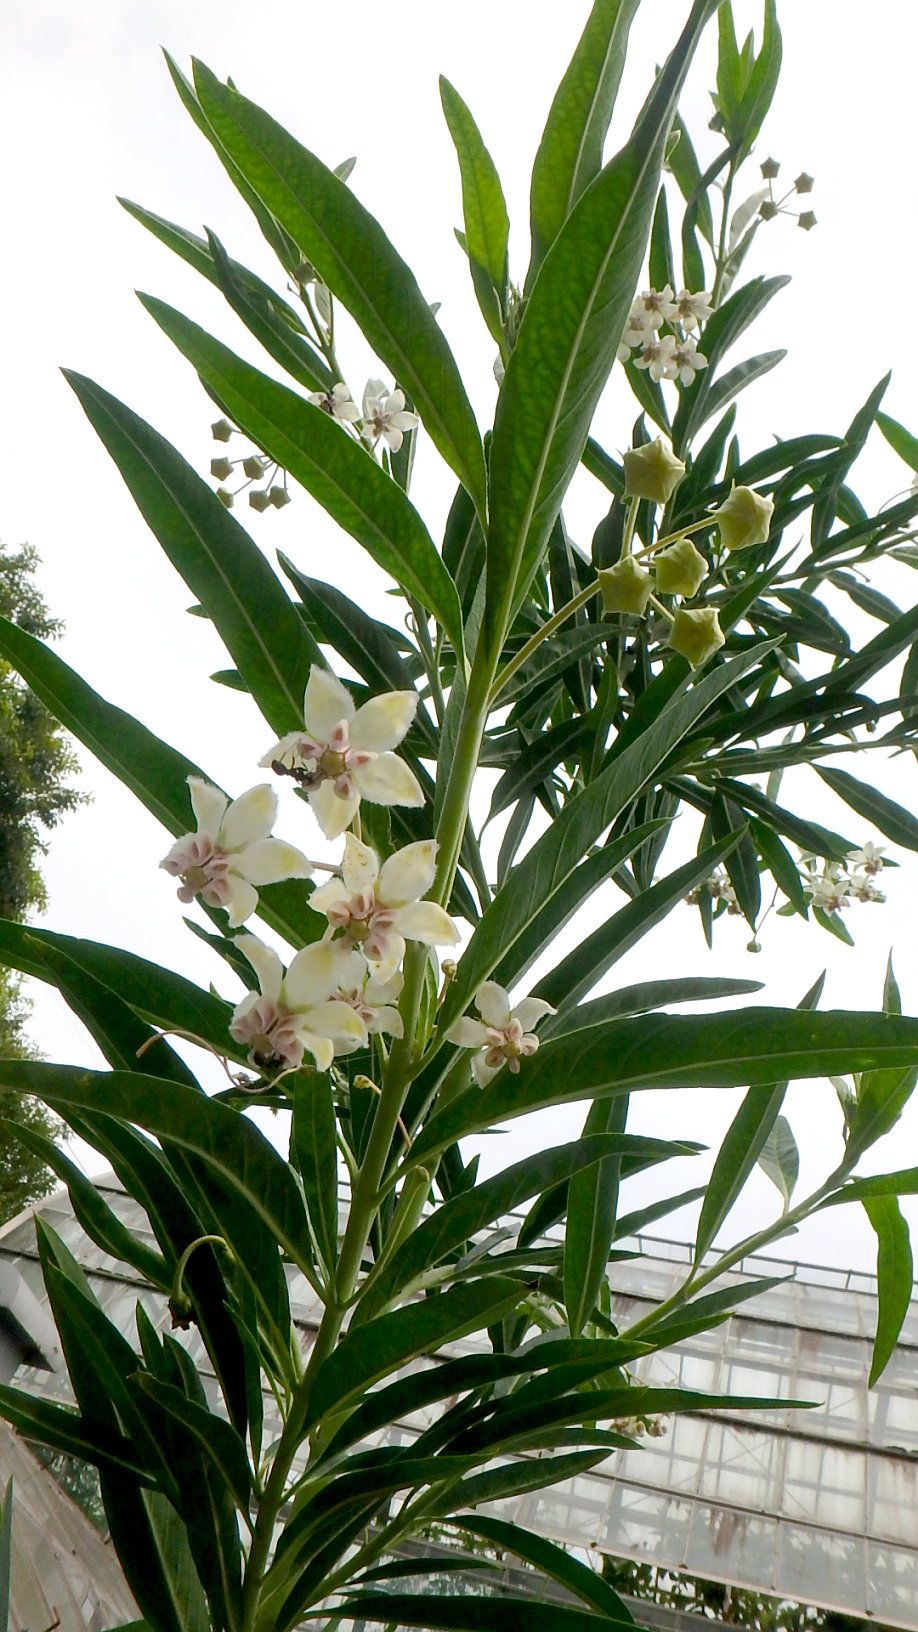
{"type": "Point", "coordinates": [487, 225]}
{"type": "Point", "coordinates": [313, 1148]}
{"type": "Point", "coordinates": [219, 1441]}
{"type": "Point", "coordinates": [567, 342]}
{"type": "Point", "coordinates": [335, 469]}
{"type": "Point", "coordinates": [741, 1149]}
{"type": "Point", "coordinates": [592, 1203]}
{"type": "Point", "coordinates": [570, 151]}
{"type": "Point", "coordinates": [371, 1352]}
{"type": "Point", "coordinates": [903, 1183]}
{"type": "Point", "coordinates": [900, 440]}
{"type": "Point", "coordinates": [893, 821]}
{"type": "Point", "coordinates": [357, 262]}
{"type": "Point", "coordinates": [779, 1159]}
{"type": "Point", "coordinates": [639, 999]}
{"type": "Point", "coordinates": [548, 1558]}
{"type": "Point", "coordinates": [744, 1046]}
{"type": "Point", "coordinates": [152, 770]}
{"type": "Point", "coordinates": [63, 1429]}
{"type": "Point", "coordinates": [895, 1276]}
{"type": "Point", "coordinates": [288, 348]}
{"type": "Point", "coordinates": [470, 1613]}
{"type": "Point", "coordinates": [219, 562]}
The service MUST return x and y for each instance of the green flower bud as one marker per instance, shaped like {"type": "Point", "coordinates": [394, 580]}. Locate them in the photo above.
{"type": "Point", "coordinates": [652, 472]}
{"type": "Point", "coordinates": [680, 570]}
{"type": "Point", "coordinates": [259, 499]}
{"type": "Point", "coordinates": [625, 587]}
{"type": "Point", "coordinates": [221, 430]}
{"type": "Point", "coordinates": [806, 220]}
{"type": "Point", "coordinates": [253, 466]}
{"type": "Point", "coordinates": [770, 169]}
{"type": "Point", "coordinates": [278, 496]}
{"type": "Point", "coordinates": [221, 468]}
{"type": "Point", "coordinates": [225, 497]}
{"type": "Point", "coordinates": [768, 209]}
{"type": "Point", "coordinates": [744, 518]}
{"type": "Point", "coordinates": [696, 634]}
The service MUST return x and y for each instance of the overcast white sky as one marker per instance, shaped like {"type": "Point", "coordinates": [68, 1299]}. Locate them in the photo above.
{"type": "Point", "coordinates": [87, 111]}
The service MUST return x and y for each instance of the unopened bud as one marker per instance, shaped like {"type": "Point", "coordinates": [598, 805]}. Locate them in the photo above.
{"type": "Point", "coordinates": [744, 518]}
{"type": "Point", "coordinates": [626, 587]}
{"type": "Point", "coordinates": [221, 468]}
{"type": "Point", "coordinates": [753, 946]}
{"type": "Point", "coordinates": [278, 496]}
{"type": "Point", "coordinates": [770, 169]}
{"type": "Point", "coordinates": [225, 497]}
{"type": "Point", "coordinates": [221, 430]}
{"type": "Point", "coordinates": [259, 499]}
{"type": "Point", "coordinates": [696, 634]}
{"type": "Point", "coordinates": [253, 466]}
{"type": "Point", "coordinates": [652, 472]}
{"type": "Point", "coordinates": [807, 220]}
{"type": "Point", "coordinates": [305, 272]}
{"type": "Point", "coordinates": [768, 210]}
{"type": "Point", "coordinates": [680, 570]}
{"type": "Point", "coordinates": [804, 183]}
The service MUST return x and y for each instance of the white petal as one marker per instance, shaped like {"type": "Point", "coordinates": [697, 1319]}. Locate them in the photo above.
{"type": "Point", "coordinates": [267, 966]}
{"type": "Point", "coordinates": [241, 1010]}
{"type": "Point", "coordinates": [320, 969]}
{"type": "Point", "coordinates": [267, 861]}
{"type": "Point", "coordinates": [374, 391]}
{"type": "Point", "coordinates": [241, 902]}
{"type": "Point", "coordinates": [531, 1011]}
{"type": "Point", "coordinates": [483, 1071]}
{"type": "Point", "coordinates": [382, 722]}
{"type": "Point", "coordinates": [322, 1049]}
{"type": "Point", "coordinates": [249, 817]}
{"type": "Point", "coordinates": [360, 866]}
{"type": "Point", "coordinates": [387, 780]}
{"type": "Point", "coordinates": [425, 921]}
{"type": "Point", "coordinates": [396, 402]}
{"type": "Point", "coordinates": [388, 1020]}
{"type": "Point", "coordinates": [326, 703]}
{"type": "Point", "coordinates": [468, 1033]}
{"type": "Point", "coordinates": [408, 874]}
{"type": "Point", "coordinates": [387, 966]}
{"type": "Point", "coordinates": [335, 1020]}
{"type": "Point", "coordinates": [382, 992]}
{"type": "Point", "coordinates": [393, 436]}
{"type": "Point", "coordinates": [333, 813]}
{"type": "Point", "coordinates": [208, 804]}
{"type": "Point", "coordinates": [329, 895]}
{"type": "Point", "coordinates": [280, 749]}
{"type": "Point", "coordinates": [493, 1004]}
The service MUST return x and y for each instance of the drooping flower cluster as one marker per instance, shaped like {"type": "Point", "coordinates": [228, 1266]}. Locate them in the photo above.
{"type": "Point", "coordinates": [255, 467]}
{"type": "Point", "coordinates": [841, 882]}
{"type": "Point", "coordinates": [385, 416]}
{"type": "Point", "coordinates": [661, 330]}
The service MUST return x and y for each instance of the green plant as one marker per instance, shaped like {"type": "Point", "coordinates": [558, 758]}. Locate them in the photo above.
{"type": "Point", "coordinates": [695, 647]}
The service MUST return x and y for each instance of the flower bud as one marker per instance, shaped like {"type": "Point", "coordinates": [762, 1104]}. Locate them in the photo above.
{"type": "Point", "coordinates": [259, 499]}
{"type": "Point", "coordinates": [221, 468]}
{"type": "Point", "coordinates": [278, 496]}
{"type": "Point", "coordinates": [807, 220]}
{"type": "Point", "coordinates": [625, 587]}
{"type": "Point", "coordinates": [652, 472]}
{"type": "Point", "coordinates": [253, 466]}
{"type": "Point", "coordinates": [770, 169]}
{"type": "Point", "coordinates": [680, 570]}
{"type": "Point", "coordinates": [744, 518]}
{"type": "Point", "coordinates": [225, 497]}
{"type": "Point", "coordinates": [221, 430]}
{"type": "Point", "coordinates": [804, 183]}
{"type": "Point", "coordinates": [696, 634]}
{"type": "Point", "coordinates": [768, 210]}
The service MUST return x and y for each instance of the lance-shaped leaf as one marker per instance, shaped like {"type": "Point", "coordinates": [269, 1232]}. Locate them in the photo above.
{"type": "Point", "coordinates": [355, 259]}
{"type": "Point", "coordinates": [64, 1429]}
{"type": "Point", "coordinates": [314, 1150]}
{"type": "Point", "coordinates": [223, 568]}
{"type": "Point", "coordinates": [219, 1441]}
{"type": "Point", "coordinates": [895, 1278]}
{"type": "Point", "coordinates": [779, 1159]}
{"type": "Point", "coordinates": [570, 151]}
{"type": "Point", "coordinates": [548, 1558]}
{"type": "Point", "coordinates": [547, 867]}
{"type": "Point", "coordinates": [568, 338]}
{"type": "Point", "coordinates": [592, 1203]}
{"type": "Point", "coordinates": [226, 1143]}
{"type": "Point", "coordinates": [152, 770]}
{"type": "Point", "coordinates": [335, 469]}
{"type": "Point", "coordinates": [893, 821]}
{"type": "Point", "coordinates": [487, 225]}
{"type": "Point", "coordinates": [744, 1046]}
{"type": "Point", "coordinates": [471, 1613]}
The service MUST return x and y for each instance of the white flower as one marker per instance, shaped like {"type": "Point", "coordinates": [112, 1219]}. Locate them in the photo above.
{"type": "Point", "coordinates": [869, 857]}
{"type": "Point", "coordinates": [693, 310]}
{"type": "Point", "coordinates": [231, 852]}
{"type": "Point", "coordinates": [299, 1011]}
{"type": "Point", "coordinates": [336, 402]}
{"type": "Point", "coordinates": [687, 361]}
{"type": "Point", "coordinates": [379, 908]}
{"type": "Point", "coordinates": [830, 891]}
{"type": "Point", "coordinates": [344, 753]}
{"type": "Point", "coordinates": [374, 1003]}
{"type": "Point", "coordinates": [863, 890]}
{"type": "Point", "coordinates": [385, 415]}
{"type": "Point", "coordinates": [653, 308]}
{"type": "Point", "coordinates": [503, 1034]}
{"type": "Point", "coordinates": [658, 357]}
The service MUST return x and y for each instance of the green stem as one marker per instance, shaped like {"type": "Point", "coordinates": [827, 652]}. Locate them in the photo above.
{"type": "Point", "coordinates": [534, 642]}
{"type": "Point", "coordinates": [628, 529]}
{"type": "Point", "coordinates": [721, 266]}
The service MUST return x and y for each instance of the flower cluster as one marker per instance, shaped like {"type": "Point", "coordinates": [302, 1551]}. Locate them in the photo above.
{"type": "Point", "coordinates": [840, 883]}
{"type": "Point", "coordinates": [661, 328]}
{"type": "Point", "coordinates": [769, 206]}
{"type": "Point", "coordinates": [255, 467]}
{"type": "Point", "coordinates": [385, 417]}
{"type": "Point", "coordinates": [718, 888]}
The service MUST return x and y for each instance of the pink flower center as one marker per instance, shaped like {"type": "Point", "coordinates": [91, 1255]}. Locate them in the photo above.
{"type": "Point", "coordinates": [365, 924]}
{"type": "Point", "coordinates": [270, 1032]}
{"type": "Point", "coordinates": [311, 762]}
{"type": "Point", "coordinates": [509, 1044]}
{"type": "Point", "coordinates": [202, 867]}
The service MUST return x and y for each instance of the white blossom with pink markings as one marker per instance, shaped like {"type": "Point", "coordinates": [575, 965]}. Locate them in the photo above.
{"type": "Point", "coordinates": [232, 852]}
{"type": "Point", "coordinates": [300, 1011]}
{"type": "Point", "coordinates": [503, 1035]}
{"type": "Point", "coordinates": [378, 907]}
